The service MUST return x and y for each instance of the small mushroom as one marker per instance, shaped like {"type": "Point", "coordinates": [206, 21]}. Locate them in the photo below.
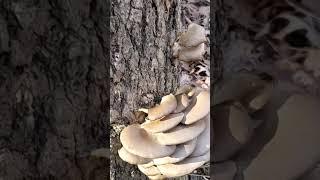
{"type": "Point", "coordinates": [163, 124]}
{"type": "Point", "coordinates": [224, 171]}
{"type": "Point", "coordinates": [182, 151]}
{"type": "Point", "coordinates": [295, 147]}
{"type": "Point", "coordinates": [167, 105]}
{"type": "Point", "coordinates": [189, 54]}
{"type": "Point", "coordinates": [184, 167]}
{"type": "Point", "coordinates": [157, 177]}
{"type": "Point", "coordinates": [181, 133]}
{"type": "Point", "coordinates": [198, 109]}
{"type": "Point", "coordinates": [139, 142]}
{"type": "Point", "coordinates": [183, 102]}
{"type": "Point", "coordinates": [150, 171]}
{"type": "Point", "coordinates": [194, 36]}
{"type": "Point", "coordinates": [203, 140]}
{"type": "Point", "coordinates": [131, 158]}
{"type": "Point", "coordinates": [232, 129]}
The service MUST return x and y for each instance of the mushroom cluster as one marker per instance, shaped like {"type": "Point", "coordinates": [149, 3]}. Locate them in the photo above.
{"type": "Point", "coordinates": [174, 140]}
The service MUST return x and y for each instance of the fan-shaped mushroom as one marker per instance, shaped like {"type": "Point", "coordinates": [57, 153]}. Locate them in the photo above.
{"type": "Point", "coordinates": [182, 151]}
{"type": "Point", "coordinates": [203, 140]}
{"type": "Point", "coordinates": [295, 146]}
{"type": "Point", "coordinates": [167, 105]}
{"type": "Point", "coordinates": [184, 167]}
{"type": "Point", "coordinates": [181, 133]}
{"type": "Point", "coordinates": [188, 54]}
{"type": "Point", "coordinates": [138, 141]}
{"type": "Point", "coordinates": [198, 109]}
{"type": "Point", "coordinates": [194, 36]}
{"type": "Point", "coordinates": [183, 101]}
{"type": "Point", "coordinates": [232, 129]}
{"type": "Point", "coordinates": [157, 177]}
{"type": "Point", "coordinates": [131, 158]}
{"type": "Point", "coordinates": [163, 124]}
{"type": "Point", "coordinates": [150, 171]}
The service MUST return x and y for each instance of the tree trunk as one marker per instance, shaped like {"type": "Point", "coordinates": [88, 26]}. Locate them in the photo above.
{"type": "Point", "coordinates": [53, 91]}
{"type": "Point", "coordinates": [142, 70]}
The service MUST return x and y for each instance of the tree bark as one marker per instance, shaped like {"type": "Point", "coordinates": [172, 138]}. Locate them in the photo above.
{"type": "Point", "coordinates": [142, 70]}
{"type": "Point", "coordinates": [53, 90]}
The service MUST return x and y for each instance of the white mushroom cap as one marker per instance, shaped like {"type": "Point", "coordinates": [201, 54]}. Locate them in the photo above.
{"type": "Point", "coordinates": [198, 109]}
{"type": "Point", "coordinates": [131, 158]}
{"type": "Point", "coordinates": [167, 105]}
{"type": "Point", "coordinates": [149, 164]}
{"type": "Point", "coordinates": [163, 124]}
{"type": "Point", "coordinates": [188, 54]}
{"type": "Point", "coordinates": [150, 171]}
{"type": "Point", "coordinates": [181, 133]}
{"type": "Point", "coordinates": [141, 143]}
{"type": "Point", "coordinates": [101, 152]}
{"type": "Point", "coordinates": [184, 167]}
{"type": "Point", "coordinates": [157, 177]}
{"type": "Point", "coordinates": [203, 140]}
{"type": "Point", "coordinates": [182, 151]}
{"type": "Point", "coordinates": [295, 147]}
{"type": "Point", "coordinates": [194, 36]}
{"type": "Point", "coordinates": [183, 102]}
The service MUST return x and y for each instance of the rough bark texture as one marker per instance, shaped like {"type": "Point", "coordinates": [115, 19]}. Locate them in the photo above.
{"type": "Point", "coordinates": [142, 70]}
{"type": "Point", "coordinates": [53, 91]}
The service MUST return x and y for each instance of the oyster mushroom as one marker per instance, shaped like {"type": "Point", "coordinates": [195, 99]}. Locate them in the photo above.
{"type": "Point", "coordinates": [183, 167]}
{"type": "Point", "coordinates": [232, 129]}
{"type": "Point", "coordinates": [139, 142]}
{"type": "Point", "coordinates": [194, 36]}
{"type": "Point", "coordinates": [198, 109]}
{"type": "Point", "coordinates": [167, 105]}
{"type": "Point", "coordinates": [182, 151]}
{"type": "Point", "coordinates": [131, 158]}
{"type": "Point", "coordinates": [183, 101]}
{"type": "Point", "coordinates": [189, 54]}
{"type": "Point", "coordinates": [203, 140]}
{"type": "Point", "coordinates": [181, 133]}
{"type": "Point", "coordinates": [163, 124]}
{"type": "Point", "coordinates": [157, 177]}
{"type": "Point", "coordinates": [295, 147]}
{"type": "Point", "coordinates": [150, 171]}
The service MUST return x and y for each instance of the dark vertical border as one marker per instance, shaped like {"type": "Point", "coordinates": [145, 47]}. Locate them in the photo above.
{"type": "Point", "coordinates": [108, 57]}
{"type": "Point", "coordinates": [216, 58]}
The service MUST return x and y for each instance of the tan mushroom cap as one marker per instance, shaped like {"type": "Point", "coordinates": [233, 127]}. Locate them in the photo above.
{"type": "Point", "coordinates": [203, 140]}
{"type": "Point", "coordinates": [157, 177]}
{"type": "Point", "coordinates": [150, 171]}
{"type": "Point", "coordinates": [131, 158]}
{"type": "Point", "coordinates": [184, 167]}
{"type": "Point", "coordinates": [295, 147]}
{"type": "Point", "coordinates": [141, 143]}
{"type": "Point", "coordinates": [167, 105]}
{"type": "Point", "coordinates": [183, 101]}
{"type": "Point", "coordinates": [188, 54]}
{"type": "Point", "coordinates": [232, 129]}
{"type": "Point", "coordinates": [236, 87]}
{"type": "Point", "coordinates": [149, 164]}
{"type": "Point", "coordinates": [182, 151]}
{"type": "Point", "coordinates": [101, 152]}
{"type": "Point", "coordinates": [163, 124]}
{"type": "Point", "coordinates": [194, 36]}
{"type": "Point", "coordinates": [224, 171]}
{"type": "Point", "coordinates": [198, 109]}
{"type": "Point", "coordinates": [181, 133]}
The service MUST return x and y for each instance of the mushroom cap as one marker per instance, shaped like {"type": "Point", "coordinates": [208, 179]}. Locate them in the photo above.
{"type": "Point", "coordinates": [256, 100]}
{"type": "Point", "coordinates": [131, 158]}
{"type": "Point", "coordinates": [198, 109]}
{"type": "Point", "coordinates": [150, 171]}
{"type": "Point", "coordinates": [183, 102]}
{"type": "Point", "coordinates": [189, 54]}
{"type": "Point", "coordinates": [141, 143]}
{"type": "Point", "coordinates": [236, 87]}
{"type": "Point", "coordinates": [184, 167]}
{"type": "Point", "coordinates": [181, 133]}
{"type": "Point", "coordinates": [203, 140]}
{"type": "Point", "coordinates": [224, 171]}
{"type": "Point", "coordinates": [232, 129]}
{"type": "Point", "coordinates": [164, 123]}
{"type": "Point", "coordinates": [295, 147]}
{"type": "Point", "coordinates": [157, 177]}
{"type": "Point", "coordinates": [101, 152]}
{"type": "Point", "coordinates": [182, 151]}
{"type": "Point", "coordinates": [167, 105]}
{"type": "Point", "coordinates": [149, 164]}
{"type": "Point", "coordinates": [194, 36]}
